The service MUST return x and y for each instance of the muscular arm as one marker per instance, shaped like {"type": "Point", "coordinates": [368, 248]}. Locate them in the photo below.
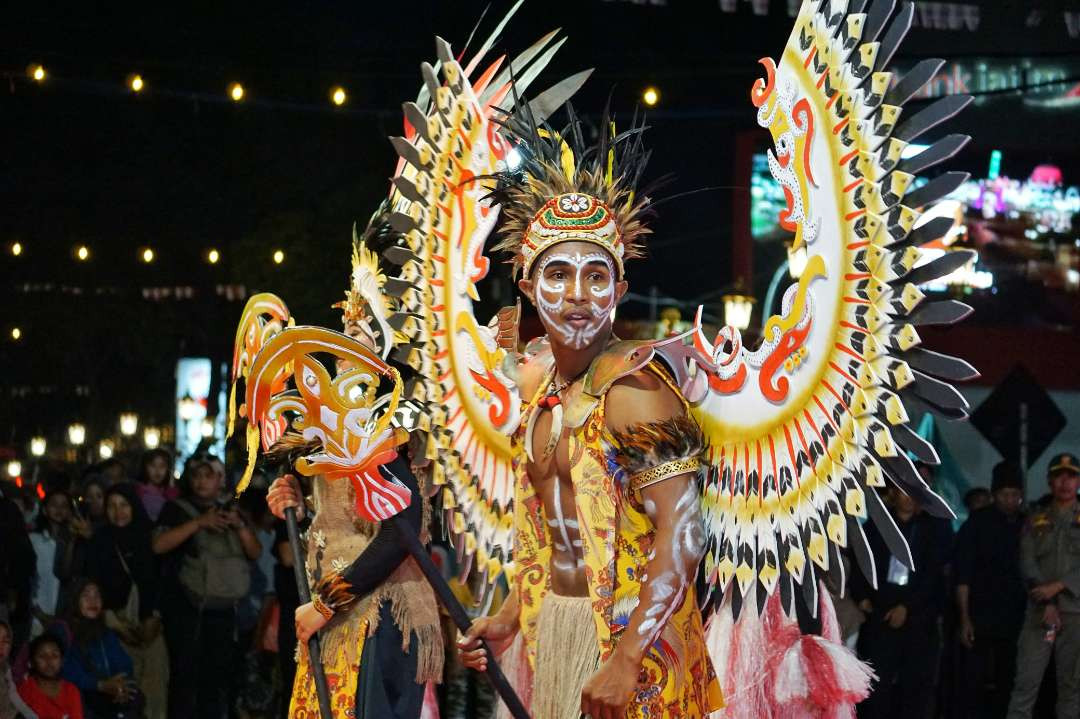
{"type": "Point", "coordinates": [674, 507]}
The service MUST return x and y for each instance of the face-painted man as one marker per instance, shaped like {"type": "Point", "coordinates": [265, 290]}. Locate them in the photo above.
{"type": "Point", "coordinates": [608, 528]}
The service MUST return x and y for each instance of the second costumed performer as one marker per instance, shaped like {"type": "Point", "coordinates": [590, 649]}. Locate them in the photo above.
{"type": "Point", "coordinates": [376, 614]}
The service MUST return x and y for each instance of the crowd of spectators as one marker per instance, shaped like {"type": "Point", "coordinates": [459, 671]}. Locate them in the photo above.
{"type": "Point", "coordinates": [124, 598]}
{"type": "Point", "coordinates": [972, 629]}
{"type": "Point", "coordinates": [164, 596]}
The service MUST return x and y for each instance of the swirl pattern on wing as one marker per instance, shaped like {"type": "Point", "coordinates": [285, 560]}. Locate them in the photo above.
{"type": "Point", "coordinates": [805, 429]}
{"type": "Point", "coordinates": [452, 145]}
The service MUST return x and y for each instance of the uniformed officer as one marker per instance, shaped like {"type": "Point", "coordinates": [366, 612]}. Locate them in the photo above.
{"type": "Point", "coordinates": [1050, 566]}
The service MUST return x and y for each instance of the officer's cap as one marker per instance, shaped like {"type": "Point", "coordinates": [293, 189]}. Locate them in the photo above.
{"type": "Point", "coordinates": [1064, 462]}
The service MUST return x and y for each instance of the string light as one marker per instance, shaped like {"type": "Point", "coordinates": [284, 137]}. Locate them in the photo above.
{"type": "Point", "coordinates": [82, 252]}
{"type": "Point", "coordinates": [105, 449]}
{"type": "Point", "coordinates": [135, 82]}
{"type": "Point", "coordinates": [36, 72]}
{"type": "Point", "coordinates": [338, 96]}
{"type": "Point", "coordinates": [279, 257]}
{"type": "Point", "coordinates": [16, 333]}
{"type": "Point", "coordinates": [213, 256]}
{"type": "Point", "coordinates": [651, 96]}
{"type": "Point", "coordinates": [236, 92]}
{"type": "Point", "coordinates": [16, 249]}
{"type": "Point", "coordinates": [148, 255]}
{"type": "Point", "coordinates": [76, 434]}
{"type": "Point", "coordinates": [129, 424]}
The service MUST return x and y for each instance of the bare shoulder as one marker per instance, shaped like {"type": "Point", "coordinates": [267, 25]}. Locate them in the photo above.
{"type": "Point", "coordinates": [638, 398]}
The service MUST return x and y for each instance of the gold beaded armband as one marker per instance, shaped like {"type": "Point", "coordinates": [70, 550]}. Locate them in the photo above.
{"type": "Point", "coordinates": [644, 478]}
{"type": "Point", "coordinates": [321, 608]}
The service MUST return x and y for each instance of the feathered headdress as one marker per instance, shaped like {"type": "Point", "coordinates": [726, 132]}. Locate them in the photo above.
{"type": "Point", "coordinates": [565, 190]}
{"type": "Point", "coordinates": [366, 302]}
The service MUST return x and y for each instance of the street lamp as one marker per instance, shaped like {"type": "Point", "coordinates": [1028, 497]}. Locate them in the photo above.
{"type": "Point", "coordinates": [207, 427]}
{"type": "Point", "coordinates": [37, 446]}
{"type": "Point", "coordinates": [151, 437]}
{"type": "Point", "coordinates": [737, 310]}
{"type": "Point", "coordinates": [14, 468]}
{"type": "Point", "coordinates": [188, 408]}
{"type": "Point", "coordinates": [76, 434]}
{"type": "Point", "coordinates": [129, 424]}
{"type": "Point", "coordinates": [105, 449]}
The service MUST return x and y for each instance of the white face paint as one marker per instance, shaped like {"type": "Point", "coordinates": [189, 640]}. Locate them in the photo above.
{"type": "Point", "coordinates": [595, 285]}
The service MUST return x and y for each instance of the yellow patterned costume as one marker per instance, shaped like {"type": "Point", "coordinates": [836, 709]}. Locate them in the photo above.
{"type": "Point", "coordinates": [676, 677]}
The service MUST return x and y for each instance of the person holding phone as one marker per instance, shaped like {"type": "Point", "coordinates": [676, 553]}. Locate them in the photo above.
{"type": "Point", "coordinates": [206, 549]}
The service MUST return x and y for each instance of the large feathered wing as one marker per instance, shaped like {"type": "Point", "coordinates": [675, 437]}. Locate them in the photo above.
{"type": "Point", "coordinates": [451, 149]}
{"type": "Point", "coordinates": [805, 429]}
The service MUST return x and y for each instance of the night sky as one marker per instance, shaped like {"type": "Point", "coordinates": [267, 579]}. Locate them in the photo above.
{"type": "Point", "coordinates": [181, 169]}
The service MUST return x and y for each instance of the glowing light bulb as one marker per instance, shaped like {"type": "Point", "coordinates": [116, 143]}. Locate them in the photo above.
{"type": "Point", "coordinates": [279, 257]}
{"type": "Point", "coordinates": [129, 424]}
{"type": "Point", "coordinates": [338, 96]}
{"type": "Point", "coordinates": [76, 434]}
{"type": "Point", "coordinates": [236, 92]}
{"type": "Point", "coordinates": [148, 255]}
{"type": "Point", "coordinates": [16, 249]}
{"type": "Point", "coordinates": [37, 72]}
{"type": "Point", "coordinates": [16, 333]}
{"type": "Point", "coordinates": [213, 256]}
{"type": "Point", "coordinates": [651, 96]}
{"type": "Point", "coordinates": [14, 468]}
{"type": "Point", "coordinates": [83, 253]}
{"type": "Point", "coordinates": [151, 437]}
{"type": "Point", "coordinates": [135, 82]}
{"type": "Point", "coordinates": [37, 446]}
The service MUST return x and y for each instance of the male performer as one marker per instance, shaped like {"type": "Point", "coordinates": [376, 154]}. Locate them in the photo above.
{"type": "Point", "coordinates": [380, 624]}
{"type": "Point", "coordinates": [608, 530]}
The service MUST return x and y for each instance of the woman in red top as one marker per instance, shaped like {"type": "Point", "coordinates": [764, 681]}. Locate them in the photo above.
{"type": "Point", "coordinates": [49, 696]}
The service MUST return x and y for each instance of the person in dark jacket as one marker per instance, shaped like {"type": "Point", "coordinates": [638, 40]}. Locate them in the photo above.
{"type": "Point", "coordinates": [16, 569]}
{"type": "Point", "coordinates": [901, 637]}
{"type": "Point", "coordinates": [990, 597]}
{"type": "Point", "coordinates": [120, 559]}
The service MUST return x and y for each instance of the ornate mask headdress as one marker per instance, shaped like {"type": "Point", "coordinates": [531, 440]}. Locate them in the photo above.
{"type": "Point", "coordinates": [564, 190]}
{"type": "Point", "coordinates": [366, 302]}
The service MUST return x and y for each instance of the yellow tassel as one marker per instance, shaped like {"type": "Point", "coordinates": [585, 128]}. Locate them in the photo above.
{"type": "Point", "coordinates": [252, 455]}
{"type": "Point", "coordinates": [232, 411]}
{"type": "Point", "coordinates": [566, 159]}
{"type": "Point", "coordinates": [610, 159]}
